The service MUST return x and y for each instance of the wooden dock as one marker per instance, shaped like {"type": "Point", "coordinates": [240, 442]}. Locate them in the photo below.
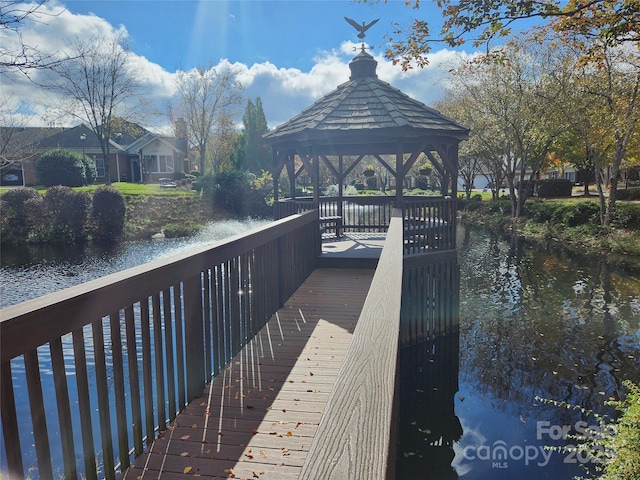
{"type": "Point", "coordinates": [257, 418]}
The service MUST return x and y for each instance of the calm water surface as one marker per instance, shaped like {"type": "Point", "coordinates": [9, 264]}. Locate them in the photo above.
{"type": "Point", "coordinates": [30, 272]}
{"type": "Point", "coordinates": [533, 323]}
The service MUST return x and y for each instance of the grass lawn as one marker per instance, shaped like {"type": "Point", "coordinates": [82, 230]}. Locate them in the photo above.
{"type": "Point", "coordinates": [125, 188]}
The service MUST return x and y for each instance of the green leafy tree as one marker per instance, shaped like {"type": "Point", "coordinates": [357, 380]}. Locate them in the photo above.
{"type": "Point", "coordinates": [511, 121]}
{"type": "Point", "coordinates": [252, 155]}
{"type": "Point", "coordinates": [610, 22]}
{"type": "Point", "coordinates": [600, 102]}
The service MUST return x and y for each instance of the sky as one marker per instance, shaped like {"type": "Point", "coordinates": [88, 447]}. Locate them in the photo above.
{"type": "Point", "coordinates": [290, 53]}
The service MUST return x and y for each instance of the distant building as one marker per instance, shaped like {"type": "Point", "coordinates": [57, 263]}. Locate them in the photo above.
{"type": "Point", "coordinates": [136, 155]}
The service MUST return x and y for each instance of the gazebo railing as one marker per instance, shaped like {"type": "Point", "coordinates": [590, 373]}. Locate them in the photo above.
{"type": "Point", "coordinates": [429, 222]}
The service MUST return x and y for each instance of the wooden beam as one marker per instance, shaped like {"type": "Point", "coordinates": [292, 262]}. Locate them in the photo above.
{"type": "Point", "coordinates": [386, 165]}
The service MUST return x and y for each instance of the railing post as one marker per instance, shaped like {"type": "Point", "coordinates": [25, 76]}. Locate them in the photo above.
{"type": "Point", "coordinates": [194, 338]}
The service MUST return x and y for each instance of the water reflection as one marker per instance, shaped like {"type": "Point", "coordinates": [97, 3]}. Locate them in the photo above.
{"type": "Point", "coordinates": [535, 322]}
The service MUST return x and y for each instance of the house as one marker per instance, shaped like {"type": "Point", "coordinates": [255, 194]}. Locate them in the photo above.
{"type": "Point", "coordinates": [136, 155]}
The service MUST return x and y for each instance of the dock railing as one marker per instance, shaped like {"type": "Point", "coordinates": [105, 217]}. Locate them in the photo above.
{"type": "Point", "coordinates": [357, 435]}
{"type": "Point", "coordinates": [128, 351]}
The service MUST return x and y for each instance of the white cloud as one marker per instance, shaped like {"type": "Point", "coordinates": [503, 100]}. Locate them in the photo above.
{"type": "Point", "coordinates": [284, 91]}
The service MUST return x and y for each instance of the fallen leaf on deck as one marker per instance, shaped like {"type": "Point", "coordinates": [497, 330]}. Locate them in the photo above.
{"type": "Point", "coordinates": [185, 437]}
{"type": "Point", "coordinates": [195, 425]}
{"type": "Point", "coordinates": [289, 434]}
{"type": "Point", "coordinates": [285, 451]}
{"type": "Point", "coordinates": [184, 454]}
{"type": "Point", "coordinates": [187, 470]}
{"type": "Point", "coordinates": [254, 431]}
{"type": "Point", "coordinates": [263, 454]}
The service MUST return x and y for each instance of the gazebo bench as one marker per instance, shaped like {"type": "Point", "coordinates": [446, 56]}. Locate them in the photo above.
{"type": "Point", "coordinates": [332, 222]}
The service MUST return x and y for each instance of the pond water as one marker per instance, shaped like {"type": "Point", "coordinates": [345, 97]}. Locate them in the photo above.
{"type": "Point", "coordinates": [534, 323]}
{"type": "Point", "coordinates": [54, 268]}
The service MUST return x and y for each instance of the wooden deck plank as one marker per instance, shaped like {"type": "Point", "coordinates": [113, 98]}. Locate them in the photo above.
{"type": "Point", "coordinates": [257, 418]}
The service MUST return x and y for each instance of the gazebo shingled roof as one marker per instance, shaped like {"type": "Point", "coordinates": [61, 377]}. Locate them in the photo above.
{"type": "Point", "coordinates": [367, 116]}
{"type": "Point", "coordinates": [365, 105]}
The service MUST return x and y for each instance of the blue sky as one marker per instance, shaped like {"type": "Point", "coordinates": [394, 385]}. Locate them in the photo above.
{"type": "Point", "coordinates": [290, 53]}
{"type": "Point", "coordinates": [290, 34]}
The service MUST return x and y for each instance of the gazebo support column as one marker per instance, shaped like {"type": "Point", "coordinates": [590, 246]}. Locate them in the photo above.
{"type": "Point", "coordinates": [399, 175]}
{"type": "Point", "coordinates": [291, 173]}
{"type": "Point", "coordinates": [277, 168]}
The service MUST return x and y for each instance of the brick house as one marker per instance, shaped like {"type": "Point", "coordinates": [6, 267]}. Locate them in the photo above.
{"type": "Point", "coordinates": [136, 155]}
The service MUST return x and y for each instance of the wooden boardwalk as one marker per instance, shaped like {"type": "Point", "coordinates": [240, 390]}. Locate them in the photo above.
{"type": "Point", "coordinates": [257, 419]}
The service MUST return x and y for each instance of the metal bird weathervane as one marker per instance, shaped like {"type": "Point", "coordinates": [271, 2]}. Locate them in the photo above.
{"type": "Point", "coordinates": [361, 28]}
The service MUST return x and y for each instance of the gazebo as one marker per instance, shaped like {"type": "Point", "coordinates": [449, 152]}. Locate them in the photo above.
{"type": "Point", "coordinates": [366, 118]}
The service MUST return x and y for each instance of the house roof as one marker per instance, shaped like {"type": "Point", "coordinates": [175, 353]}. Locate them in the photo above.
{"type": "Point", "coordinates": [364, 108]}
{"type": "Point", "coordinates": [149, 138]}
{"type": "Point", "coordinates": [71, 138]}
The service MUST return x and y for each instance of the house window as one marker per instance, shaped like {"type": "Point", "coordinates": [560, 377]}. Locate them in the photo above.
{"type": "Point", "coordinates": [99, 166]}
{"type": "Point", "coordinates": [159, 163]}
{"type": "Point", "coordinates": [166, 163]}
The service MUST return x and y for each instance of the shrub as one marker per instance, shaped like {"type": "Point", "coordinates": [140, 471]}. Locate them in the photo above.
{"type": "Point", "coordinates": [553, 188]}
{"type": "Point", "coordinates": [90, 170]}
{"type": "Point", "coordinates": [61, 167]}
{"type": "Point", "coordinates": [108, 213]}
{"type": "Point", "coordinates": [580, 214]}
{"type": "Point", "coordinates": [528, 186]}
{"type": "Point", "coordinates": [626, 216]}
{"type": "Point", "coordinates": [540, 212]}
{"type": "Point", "coordinates": [227, 190]}
{"type": "Point", "coordinates": [21, 214]}
{"type": "Point", "coordinates": [628, 194]}
{"type": "Point", "coordinates": [66, 213]}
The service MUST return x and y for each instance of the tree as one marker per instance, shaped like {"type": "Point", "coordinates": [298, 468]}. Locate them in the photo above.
{"type": "Point", "coordinates": [600, 101]}
{"type": "Point", "coordinates": [610, 22]}
{"type": "Point", "coordinates": [507, 115]}
{"type": "Point", "coordinates": [207, 99]}
{"type": "Point", "coordinates": [14, 53]}
{"type": "Point", "coordinates": [99, 87]}
{"type": "Point", "coordinates": [253, 155]}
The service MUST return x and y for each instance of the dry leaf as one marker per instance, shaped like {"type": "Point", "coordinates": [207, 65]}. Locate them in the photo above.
{"type": "Point", "coordinates": [263, 454]}
{"type": "Point", "coordinates": [289, 434]}
{"type": "Point", "coordinates": [187, 470]}
{"type": "Point", "coordinates": [184, 454]}
{"type": "Point", "coordinates": [185, 437]}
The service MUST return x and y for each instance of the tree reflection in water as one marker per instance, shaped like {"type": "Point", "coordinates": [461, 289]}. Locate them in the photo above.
{"type": "Point", "coordinates": [533, 322]}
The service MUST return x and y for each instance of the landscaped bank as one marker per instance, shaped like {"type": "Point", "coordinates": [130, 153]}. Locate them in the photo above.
{"type": "Point", "coordinates": [573, 223]}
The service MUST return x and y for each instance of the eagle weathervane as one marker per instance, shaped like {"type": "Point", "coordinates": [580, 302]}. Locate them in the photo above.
{"type": "Point", "coordinates": [361, 28]}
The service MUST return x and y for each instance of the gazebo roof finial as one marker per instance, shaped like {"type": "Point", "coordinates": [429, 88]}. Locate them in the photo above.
{"type": "Point", "coordinates": [361, 28]}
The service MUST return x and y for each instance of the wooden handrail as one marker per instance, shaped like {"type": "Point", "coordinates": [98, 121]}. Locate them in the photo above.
{"type": "Point", "coordinates": [356, 436]}
{"type": "Point", "coordinates": [157, 332]}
